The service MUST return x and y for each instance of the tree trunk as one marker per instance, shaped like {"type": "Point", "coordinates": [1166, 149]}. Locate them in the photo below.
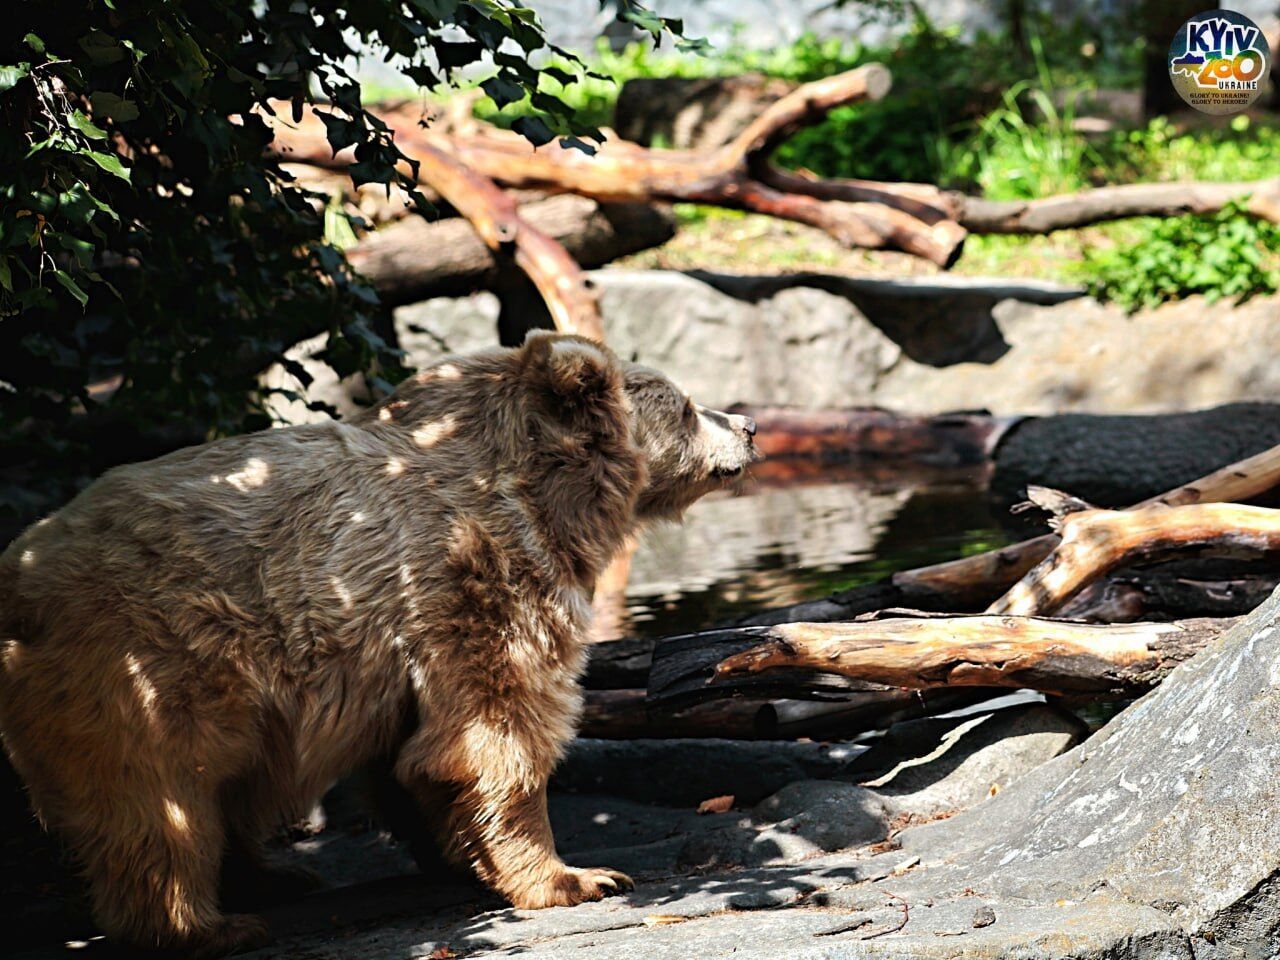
{"type": "Point", "coordinates": [415, 259]}
{"type": "Point", "coordinates": [1113, 461]}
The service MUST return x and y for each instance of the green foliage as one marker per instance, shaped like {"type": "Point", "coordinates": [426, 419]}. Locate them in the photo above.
{"type": "Point", "coordinates": [1224, 255]}
{"type": "Point", "coordinates": [1014, 158]}
{"type": "Point", "coordinates": [926, 129]}
{"type": "Point", "coordinates": [152, 261]}
{"type": "Point", "coordinates": [1243, 150]}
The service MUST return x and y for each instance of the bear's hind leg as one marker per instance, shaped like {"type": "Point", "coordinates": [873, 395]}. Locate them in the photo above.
{"type": "Point", "coordinates": [153, 866]}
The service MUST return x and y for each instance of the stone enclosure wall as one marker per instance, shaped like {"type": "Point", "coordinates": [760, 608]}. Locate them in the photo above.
{"type": "Point", "coordinates": [931, 346]}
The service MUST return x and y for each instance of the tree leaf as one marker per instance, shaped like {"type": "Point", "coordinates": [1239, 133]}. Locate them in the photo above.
{"type": "Point", "coordinates": [502, 90]}
{"type": "Point", "coordinates": [101, 48]}
{"type": "Point", "coordinates": [71, 286]}
{"type": "Point", "coordinates": [109, 162]}
{"type": "Point", "coordinates": [86, 126]}
{"type": "Point", "coordinates": [110, 105]}
{"type": "Point", "coordinates": [10, 75]}
{"type": "Point", "coordinates": [533, 129]}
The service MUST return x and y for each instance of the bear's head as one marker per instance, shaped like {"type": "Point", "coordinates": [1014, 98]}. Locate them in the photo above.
{"type": "Point", "coordinates": [689, 449]}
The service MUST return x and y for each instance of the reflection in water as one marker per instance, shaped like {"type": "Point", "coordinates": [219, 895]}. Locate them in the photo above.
{"type": "Point", "coordinates": [780, 543]}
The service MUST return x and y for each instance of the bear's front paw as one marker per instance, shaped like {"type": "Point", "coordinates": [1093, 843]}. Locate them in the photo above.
{"type": "Point", "coordinates": [573, 885]}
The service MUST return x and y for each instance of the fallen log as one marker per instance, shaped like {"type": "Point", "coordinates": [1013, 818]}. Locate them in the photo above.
{"type": "Point", "coordinates": [1116, 460]}
{"type": "Point", "coordinates": [624, 171]}
{"type": "Point", "coordinates": [1067, 211]}
{"type": "Point", "coordinates": [627, 715]}
{"type": "Point", "coordinates": [415, 259]}
{"type": "Point", "coordinates": [493, 213]}
{"type": "Point", "coordinates": [953, 439]}
{"type": "Point", "coordinates": [907, 649]}
{"type": "Point", "coordinates": [1261, 198]}
{"type": "Point", "coordinates": [980, 578]}
{"type": "Point", "coordinates": [1095, 542]}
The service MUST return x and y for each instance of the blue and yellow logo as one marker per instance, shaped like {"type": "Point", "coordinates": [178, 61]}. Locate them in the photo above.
{"type": "Point", "coordinates": [1218, 61]}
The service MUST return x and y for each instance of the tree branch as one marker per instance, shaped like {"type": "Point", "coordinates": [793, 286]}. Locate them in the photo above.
{"type": "Point", "coordinates": [1095, 542]}
{"type": "Point", "coordinates": [920, 652]}
{"type": "Point", "coordinates": [983, 575]}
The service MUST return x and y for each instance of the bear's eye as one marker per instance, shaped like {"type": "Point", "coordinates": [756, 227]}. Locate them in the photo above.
{"type": "Point", "coordinates": [689, 413]}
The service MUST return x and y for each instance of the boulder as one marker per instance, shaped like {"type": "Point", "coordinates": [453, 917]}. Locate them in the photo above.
{"type": "Point", "coordinates": [915, 345]}
{"type": "Point", "coordinates": [802, 819]}
{"type": "Point", "coordinates": [683, 773]}
{"type": "Point", "coordinates": [934, 766]}
{"type": "Point", "coordinates": [1115, 461]}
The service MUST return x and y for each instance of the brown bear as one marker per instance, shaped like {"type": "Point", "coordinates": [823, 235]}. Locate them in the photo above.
{"type": "Point", "coordinates": [196, 647]}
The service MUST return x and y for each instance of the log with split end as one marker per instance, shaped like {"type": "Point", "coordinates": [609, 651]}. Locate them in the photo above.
{"type": "Point", "coordinates": [921, 652]}
{"type": "Point", "coordinates": [1095, 542]}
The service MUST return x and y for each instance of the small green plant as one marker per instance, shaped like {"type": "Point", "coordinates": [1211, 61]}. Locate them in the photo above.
{"type": "Point", "coordinates": [1015, 158]}
{"type": "Point", "coordinates": [1224, 255]}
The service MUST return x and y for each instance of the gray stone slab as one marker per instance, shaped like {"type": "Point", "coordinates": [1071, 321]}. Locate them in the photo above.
{"type": "Point", "coordinates": [686, 772]}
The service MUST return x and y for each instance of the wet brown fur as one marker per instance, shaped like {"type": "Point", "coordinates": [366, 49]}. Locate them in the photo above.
{"type": "Point", "coordinates": [196, 647]}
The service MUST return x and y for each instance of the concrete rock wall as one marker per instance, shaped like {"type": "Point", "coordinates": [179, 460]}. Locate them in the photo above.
{"type": "Point", "coordinates": [926, 345]}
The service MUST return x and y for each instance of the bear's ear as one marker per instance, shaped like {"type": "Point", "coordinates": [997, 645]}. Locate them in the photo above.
{"type": "Point", "coordinates": [573, 368]}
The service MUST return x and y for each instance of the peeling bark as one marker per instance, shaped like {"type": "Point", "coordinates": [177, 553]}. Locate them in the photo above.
{"type": "Point", "coordinates": [983, 576]}
{"type": "Point", "coordinates": [1095, 542]}
{"type": "Point", "coordinates": [918, 651]}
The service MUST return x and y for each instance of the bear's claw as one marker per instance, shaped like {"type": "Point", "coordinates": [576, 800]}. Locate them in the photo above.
{"type": "Point", "coordinates": [573, 886]}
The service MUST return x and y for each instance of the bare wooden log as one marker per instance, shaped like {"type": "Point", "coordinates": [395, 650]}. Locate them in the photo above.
{"type": "Point", "coordinates": [1068, 211]}
{"type": "Point", "coordinates": [1095, 542]}
{"type": "Point", "coordinates": [946, 440]}
{"type": "Point", "coordinates": [623, 171]}
{"type": "Point", "coordinates": [983, 576]}
{"type": "Point", "coordinates": [1261, 198]}
{"type": "Point", "coordinates": [415, 259]}
{"type": "Point", "coordinates": [920, 652]}
{"type": "Point", "coordinates": [570, 300]}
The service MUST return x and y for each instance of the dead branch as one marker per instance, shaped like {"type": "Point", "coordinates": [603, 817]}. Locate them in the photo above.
{"type": "Point", "coordinates": [983, 575]}
{"type": "Point", "coordinates": [921, 651]}
{"type": "Point", "coordinates": [1068, 211]}
{"type": "Point", "coordinates": [1261, 198]}
{"type": "Point", "coordinates": [624, 171]}
{"type": "Point", "coordinates": [493, 213]}
{"type": "Point", "coordinates": [1095, 542]}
